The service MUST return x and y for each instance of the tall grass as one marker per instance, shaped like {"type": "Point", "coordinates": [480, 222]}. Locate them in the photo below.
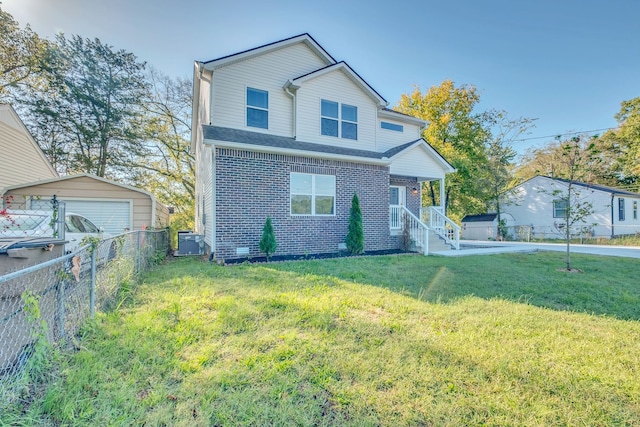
{"type": "Point", "coordinates": [395, 340]}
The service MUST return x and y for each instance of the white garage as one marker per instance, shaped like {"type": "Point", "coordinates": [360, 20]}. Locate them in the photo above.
{"type": "Point", "coordinates": [112, 206]}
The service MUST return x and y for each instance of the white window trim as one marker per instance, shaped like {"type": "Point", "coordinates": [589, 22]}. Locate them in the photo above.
{"type": "Point", "coordinates": [554, 207]}
{"type": "Point", "coordinates": [313, 195]}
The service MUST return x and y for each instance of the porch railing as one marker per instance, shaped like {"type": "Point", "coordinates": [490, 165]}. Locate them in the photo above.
{"type": "Point", "coordinates": [418, 230]}
{"type": "Point", "coordinates": [441, 225]}
{"type": "Point", "coordinates": [395, 217]}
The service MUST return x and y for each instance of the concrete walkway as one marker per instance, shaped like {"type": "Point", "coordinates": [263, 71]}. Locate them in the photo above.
{"type": "Point", "coordinates": [475, 247]}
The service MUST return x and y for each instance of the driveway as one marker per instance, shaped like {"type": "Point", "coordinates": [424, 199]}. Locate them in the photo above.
{"type": "Point", "coordinates": [475, 247]}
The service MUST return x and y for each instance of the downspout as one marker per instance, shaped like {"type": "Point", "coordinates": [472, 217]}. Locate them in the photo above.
{"type": "Point", "coordinates": [287, 85]}
{"type": "Point", "coordinates": [612, 214]}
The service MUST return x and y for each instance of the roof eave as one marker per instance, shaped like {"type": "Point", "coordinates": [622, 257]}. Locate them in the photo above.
{"type": "Point", "coordinates": [297, 152]}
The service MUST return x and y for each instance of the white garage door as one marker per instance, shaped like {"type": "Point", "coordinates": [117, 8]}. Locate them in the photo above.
{"type": "Point", "coordinates": [112, 216]}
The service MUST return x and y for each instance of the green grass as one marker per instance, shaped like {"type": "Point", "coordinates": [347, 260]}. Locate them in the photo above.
{"type": "Point", "coordinates": [393, 341]}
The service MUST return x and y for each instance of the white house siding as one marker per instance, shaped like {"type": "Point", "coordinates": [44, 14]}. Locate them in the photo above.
{"type": "Point", "coordinates": [629, 225]}
{"type": "Point", "coordinates": [387, 139]}
{"type": "Point", "coordinates": [417, 162]}
{"type": "Point", "coordinates": [531, 204]}
{"type": "Point", "coordinates": [266, 72]}
{"type": "Point", "coordinates": [21, 160]}
{"type": "Point", "coordinates": [337, 87]}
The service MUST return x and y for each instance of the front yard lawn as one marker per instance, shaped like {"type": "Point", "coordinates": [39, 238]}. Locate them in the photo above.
{"type": "Point", "coordinates": [392, 341]}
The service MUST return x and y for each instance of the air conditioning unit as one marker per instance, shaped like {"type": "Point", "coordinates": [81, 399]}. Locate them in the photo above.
{"type": "Point", "coordinates": [190, 243]}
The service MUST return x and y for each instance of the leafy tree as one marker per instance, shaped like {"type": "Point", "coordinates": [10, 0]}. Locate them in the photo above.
{"type": "Point", "coordinates": [23, 54]}
{"type": "Point", "coordinates": [355, 235]}
{"type": "Point", "coordinates": [550, 160]}
{"type": "Point", "coordinates": [623, 144]}
{"type": "Point", "coordinates": [459, 134]}
{"type": "Point", "coordinates": [89, 118]}
{"type": "Point", "coordinates": [576, 160]}
{"type": "Point", "coordinates": [168, 167]}
{"type": "Point", "coordinates": [268, 244]}
{"type": "Point", "coordinates": [497, 176]}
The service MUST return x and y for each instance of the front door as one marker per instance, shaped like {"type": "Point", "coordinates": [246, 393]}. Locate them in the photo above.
{"type": "Point", "coordinates": [397, 199]}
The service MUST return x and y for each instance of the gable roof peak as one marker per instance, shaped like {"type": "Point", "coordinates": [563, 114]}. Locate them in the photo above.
{"type": "Point", "coordinates": [300, 38]}
{"type": "Point", "coordinates": [297, 82]}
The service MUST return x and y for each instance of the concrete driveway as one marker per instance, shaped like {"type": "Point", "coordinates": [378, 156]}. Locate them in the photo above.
{"type": "Point", "coordinates": [475, 247]}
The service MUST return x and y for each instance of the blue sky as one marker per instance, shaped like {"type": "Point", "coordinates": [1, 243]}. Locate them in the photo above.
{"type": "Point", "coordinates": [568, 63]}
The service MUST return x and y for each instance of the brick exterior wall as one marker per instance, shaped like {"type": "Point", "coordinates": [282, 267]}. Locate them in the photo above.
{"type": "Point", "coordinates": [413, 200]}
{"type": "Point", "coordinates": [251, 186]}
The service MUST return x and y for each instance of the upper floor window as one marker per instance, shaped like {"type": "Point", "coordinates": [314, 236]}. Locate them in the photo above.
{"type": "Point", "coordinates": [312, 194]}
{"type": "Point", "coordinates": [559, 208]}
{"type": "Point", "coordinates": [257, 108]}
{"type": "Point", "coordinates": [392, 126]}
{"type": "Point", "coordinates": [620, 209]}
{"type": "Point", "coordinates": [339, 120]}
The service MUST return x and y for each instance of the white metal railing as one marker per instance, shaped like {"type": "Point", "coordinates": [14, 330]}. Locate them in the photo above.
{"type": "Point", "coordinates": [395, 217]}
{"type": "Point", "coordinates": [443, 226]}
{"type": "Point", "coordinates": [418, 230]}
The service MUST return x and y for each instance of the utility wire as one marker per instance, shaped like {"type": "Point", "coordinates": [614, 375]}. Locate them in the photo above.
{"type": "Point", "coordinates": [562, 134]}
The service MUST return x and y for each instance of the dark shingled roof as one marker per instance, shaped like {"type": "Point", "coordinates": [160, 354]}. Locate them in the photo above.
{"type": "Point", "coordinates": [395, 150]}
{"type": "Point", "coordinates": [599, 187]}
{"type": "Point", "coordinates": [479, 218]}
{"type": "Point", "coordinates": [266, 140]}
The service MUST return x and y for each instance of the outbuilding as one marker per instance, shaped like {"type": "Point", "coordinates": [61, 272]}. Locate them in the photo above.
{"type": "Point", "coordinates": [112, 206]}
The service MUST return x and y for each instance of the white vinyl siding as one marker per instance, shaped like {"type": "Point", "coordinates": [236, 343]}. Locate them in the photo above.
{"type": "Point", "coordinates": [21, 160]}
{"type": "Point", "coordinates": [417, 162]}
{"type": "Point", "coordinates": [387, 139]}
{"type": "Point", "coordinates": [267, 72]}
{"type": "Point", "coordinates": [337, 87]}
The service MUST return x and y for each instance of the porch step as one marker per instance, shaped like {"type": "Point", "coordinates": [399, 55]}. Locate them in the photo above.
{"type": "Point", "coordinates": [437, 243]}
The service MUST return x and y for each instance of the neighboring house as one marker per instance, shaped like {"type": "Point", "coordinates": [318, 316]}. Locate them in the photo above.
{"type": "Point", "coordinates": [21, 159]}
{"type": "Point", "coordinates": [111, 206]}
{"type": "Point", "coordinates": [537, 204]}
{"type": "Point", "coordinates": [284, 130]}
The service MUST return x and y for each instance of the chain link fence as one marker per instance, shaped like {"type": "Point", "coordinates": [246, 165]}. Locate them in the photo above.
{"type": "Point", "coordinates": [44, 305]}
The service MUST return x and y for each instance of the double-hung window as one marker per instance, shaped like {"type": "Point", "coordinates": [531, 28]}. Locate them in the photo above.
{"type": "Point", "coordinates": [312, 194]}
{"type": "Point", "coordinates": [620, 209]}
{"type": "Point", "coordinates": [257, 108]}
{"type": "Point", "coordinates": [560, 208]}
{"type": "Point", "coordinates": [338, 120]}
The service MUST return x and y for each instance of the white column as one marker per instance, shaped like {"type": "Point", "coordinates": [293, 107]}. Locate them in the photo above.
{"type": "Point", "coordinates": [442, 195]}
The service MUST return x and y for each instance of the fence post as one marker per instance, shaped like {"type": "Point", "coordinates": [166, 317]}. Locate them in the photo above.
{"type": "Point", "coordinates": [92, 290]}
{"type": "Point", "coordinates": [61, 313]}
{"type": "Point", "coordinates": [139, 250]}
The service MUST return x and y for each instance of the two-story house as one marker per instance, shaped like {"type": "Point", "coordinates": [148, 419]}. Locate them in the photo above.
{"type": "Point", "coordinates": [284, 130]}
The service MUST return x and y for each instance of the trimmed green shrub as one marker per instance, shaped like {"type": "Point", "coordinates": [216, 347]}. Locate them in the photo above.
{"type": "Point", "coordinates": [355, 236]}
{"type": "Point", "coordinates": [268, 244]}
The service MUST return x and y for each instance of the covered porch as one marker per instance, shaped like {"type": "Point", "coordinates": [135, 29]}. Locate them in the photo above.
{"type": "Point", "coordinates": [424, 226]}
